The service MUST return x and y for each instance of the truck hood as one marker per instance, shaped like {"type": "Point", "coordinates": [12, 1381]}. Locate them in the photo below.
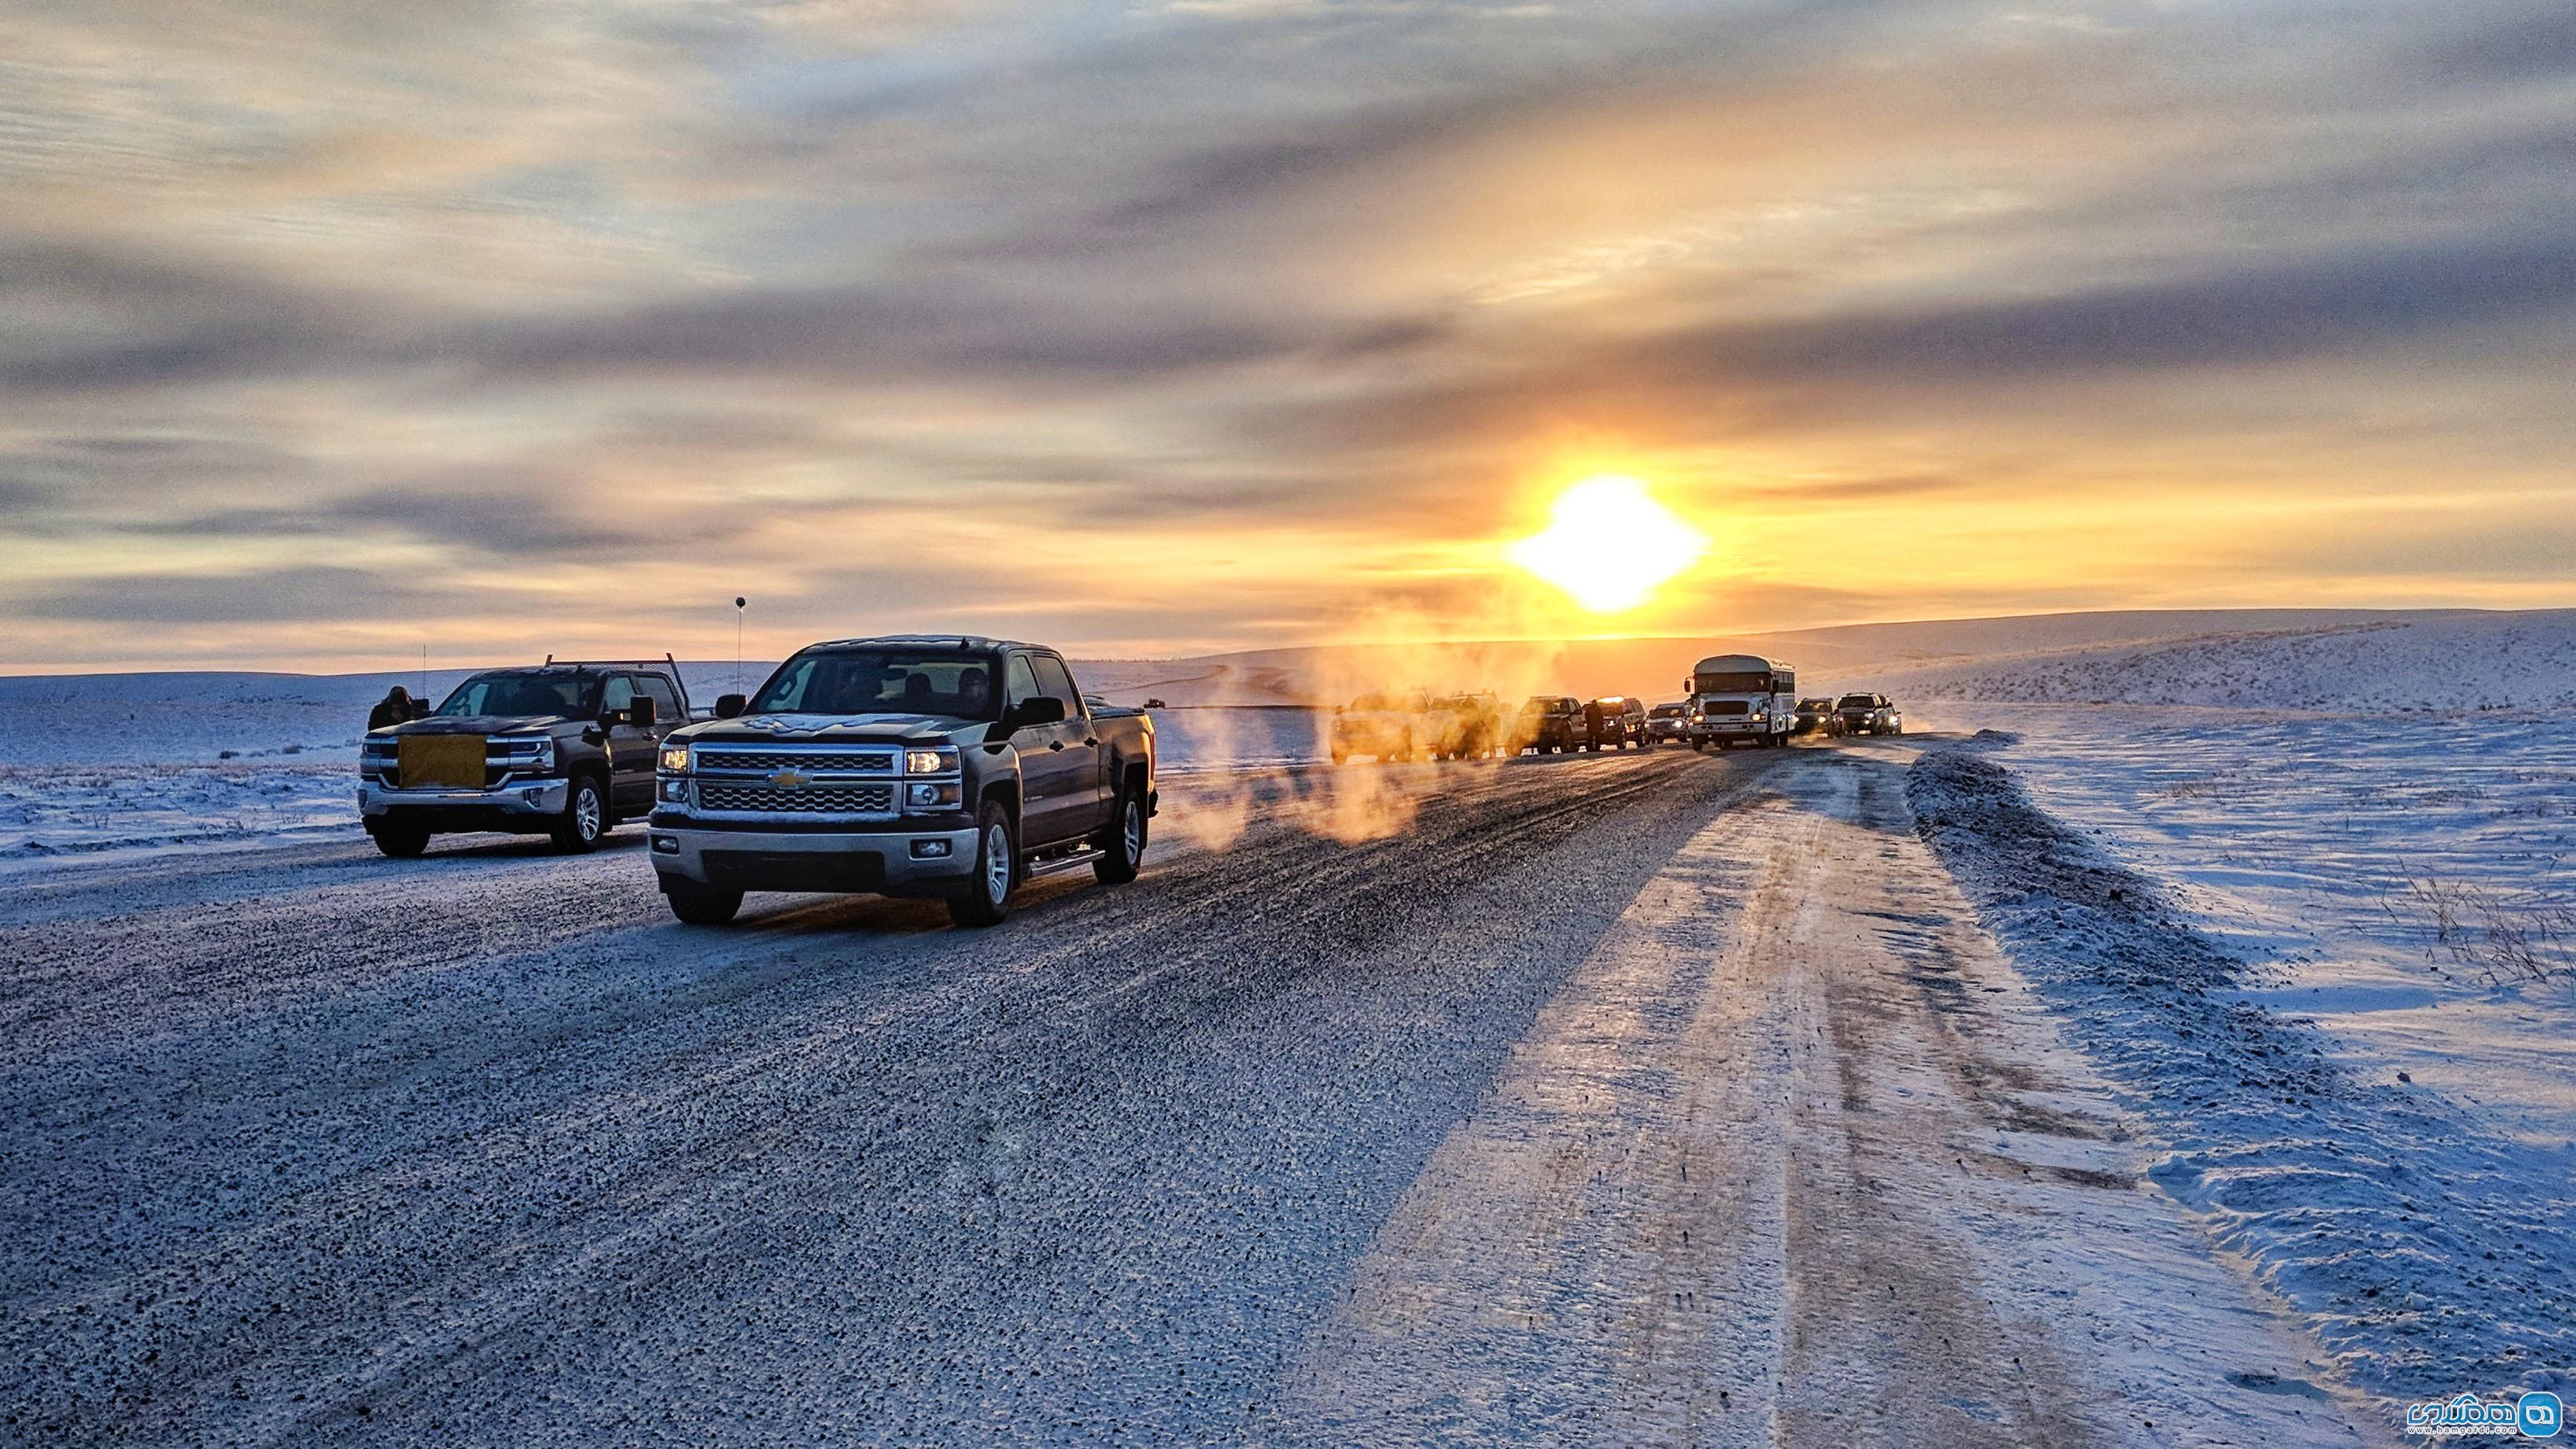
{"type": "Point", "coordinates": [882, 728]}
{"type": "Point", "coordinates": [478, 724]}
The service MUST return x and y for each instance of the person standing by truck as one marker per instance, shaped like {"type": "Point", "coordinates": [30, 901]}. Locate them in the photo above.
{"type": "Point", "coordinates": [395, 708]}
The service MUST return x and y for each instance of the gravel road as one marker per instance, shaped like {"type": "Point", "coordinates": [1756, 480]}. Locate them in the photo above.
{"type": "Point", "coordinates": [1659, 1099]}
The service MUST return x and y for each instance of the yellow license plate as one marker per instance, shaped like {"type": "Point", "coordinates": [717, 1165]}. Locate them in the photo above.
{"type": "Point", "coordinates": [455, 761]}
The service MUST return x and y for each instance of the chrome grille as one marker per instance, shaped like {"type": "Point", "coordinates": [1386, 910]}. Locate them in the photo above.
{"type": "Point", "coordinates": [735, 757]}
{"type": "Point", "coordinates": [811, 800]}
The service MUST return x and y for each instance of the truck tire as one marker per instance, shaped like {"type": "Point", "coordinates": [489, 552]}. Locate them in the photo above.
{"type": "Point", "coordinates": [700, 905]}
{"type": "Point", "coordinates": [1123, 845]}
{"type": "Point", "coordinates": [585, 817]}
{"type": "Point", "coordinates": [402, 842]}
{"type": "Point", "coordinates": [987, 897]}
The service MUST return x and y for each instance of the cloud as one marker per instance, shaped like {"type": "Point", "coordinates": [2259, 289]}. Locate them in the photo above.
{"type": "Point", "coordinates": [279, 596]}
{"type": "Point", "coordinates": [1188, 325]}
{"type": "Point", "coordinates": [2267, 313]}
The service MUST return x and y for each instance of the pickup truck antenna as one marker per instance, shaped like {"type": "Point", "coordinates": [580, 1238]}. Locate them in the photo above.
{"type": "Point", "coordinates": [738, 603]}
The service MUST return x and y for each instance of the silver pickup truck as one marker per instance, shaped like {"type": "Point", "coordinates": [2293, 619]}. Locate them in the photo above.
{"type": "Point", "coordinates": [912, 765]}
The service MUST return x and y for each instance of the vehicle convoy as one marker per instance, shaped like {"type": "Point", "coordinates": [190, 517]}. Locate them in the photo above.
{"type": "Point", "coordinates": [1811, 716]}
{"type": "Point", "coordinates": [1548, 723]}
{"type": "Point", "coordinates": [562, 749]}
{"type": "Point", "coordinates": [912, 765]}
{"type": "Point", "coordinates": [1668, 724]}
{"type": "Point", "coordinates": [1741, 699]}
{"type": "Point", "coordinates": [1622, 722]}
{"type": "Point", "coordinates": [1867, 714]}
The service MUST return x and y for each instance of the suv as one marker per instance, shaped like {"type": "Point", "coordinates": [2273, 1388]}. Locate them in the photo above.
{"type": "Point", "coordinates": [1811, 715]}
{"type": "Point", "coordinates": [1668, 723]}
{"type": "Point", "coordinates": [1867, 714]}
{"type": "Point", "coordinates": [911, 765]}
{"type": "Point", "coordinates": [1623, 722]}
{"type": "Point", "coordinates": [1470, 725]}
{"type": "Point", "coordinates": [1384, 726]}
{"type": "Point", "coordinates": [1547, 724]}
{"type": "Point", "coordinates": [561, 749]}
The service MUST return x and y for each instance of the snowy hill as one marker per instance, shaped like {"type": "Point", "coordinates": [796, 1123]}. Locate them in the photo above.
{"type": "Point", "coordinates": [2290, 658]}
{"type": "Point", "coordinates": [2440, 661]}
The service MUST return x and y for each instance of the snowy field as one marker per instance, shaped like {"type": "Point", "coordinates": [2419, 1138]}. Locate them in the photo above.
{"type": "Point", "coordinates": [2330, 953]}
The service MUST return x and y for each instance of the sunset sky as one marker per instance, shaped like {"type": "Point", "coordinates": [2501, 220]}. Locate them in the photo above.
{"type": "Point", "coordinates": [337, 331]}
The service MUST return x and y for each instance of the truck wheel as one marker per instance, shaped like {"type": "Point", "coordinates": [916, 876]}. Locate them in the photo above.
{"type": "Point", "coordinates": [1124, 848]}
{"type": "Point", "coordinates": [703, 905]}
{"type": "Point", "coordinates": [997, 868]}
{"type": "Point", "coordinates": [402, 842]}
{"type": "Point", "coordinates": [585, 818]}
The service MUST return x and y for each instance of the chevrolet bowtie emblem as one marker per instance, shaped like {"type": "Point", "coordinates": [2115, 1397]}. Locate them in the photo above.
{"type": "Point", "coordinates": [790, 780]}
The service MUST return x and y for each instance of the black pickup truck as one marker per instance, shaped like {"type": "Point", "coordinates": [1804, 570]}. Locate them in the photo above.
{"type": "Point", "coordinates": [559, 749]}
{"type": "Point", "coordinates": [911, 765]}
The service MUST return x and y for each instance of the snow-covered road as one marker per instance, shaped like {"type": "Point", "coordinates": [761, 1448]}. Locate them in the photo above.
{"type": "Point", "coordinates": [1606, 1100]}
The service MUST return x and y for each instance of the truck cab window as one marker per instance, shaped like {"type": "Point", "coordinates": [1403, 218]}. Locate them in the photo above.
{"type": "Point", "coordinates": [1055, 680]}
{"type": "Point", "coordinates": [620, 694]}
{"type": "Point", "coordinates": [1020, 683]}
{"type": "Point", "coordinates": [666, 701]}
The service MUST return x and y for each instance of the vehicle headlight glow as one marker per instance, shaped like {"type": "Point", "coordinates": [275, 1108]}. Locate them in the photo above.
{"type": "Point", "coordinates": [675, 759]}
{"type": "Point", "coordinates": [939, 760]}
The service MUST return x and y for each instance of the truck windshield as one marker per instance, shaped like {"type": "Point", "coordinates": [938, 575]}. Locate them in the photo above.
{"type": "Point", "coordinates": [1714, 683]}
{"type": "Point", "coordinates": [881, 681]}
{"type": "Point", "coordinates": [1668, 711]}
{"type": "Point", "coordinates": [1857, 701]}
{"type": "Point", "coordinates": [574, 696]}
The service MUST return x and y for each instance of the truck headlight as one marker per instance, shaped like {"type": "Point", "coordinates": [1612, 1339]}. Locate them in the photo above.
{"type": "Point", "coordinates": [931, 794]}
{"type": "Point", "coordinates": [941, 760]}
{"type": "Point", "coordinates": [675, 759]}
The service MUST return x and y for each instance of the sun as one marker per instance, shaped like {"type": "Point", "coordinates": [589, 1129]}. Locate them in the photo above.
{"type": "Point", "coordinates": [1609, 544]}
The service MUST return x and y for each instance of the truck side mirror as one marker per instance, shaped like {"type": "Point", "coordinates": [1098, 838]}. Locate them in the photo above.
{"type": "Point", "coordinates": [1686, 686]}
{"type": "Point", "coordinates": [1043, 709]}
{"type": "Point", "coordinates": [643, 712]}
{"type": "Point", "coordinates": [729, 706]}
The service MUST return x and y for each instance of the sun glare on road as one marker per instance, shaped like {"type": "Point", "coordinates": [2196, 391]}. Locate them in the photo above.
{"type": "Point", "coordinates": [1609, 544]}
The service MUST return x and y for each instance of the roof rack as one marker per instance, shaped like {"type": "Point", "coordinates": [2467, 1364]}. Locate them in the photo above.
{"type": "Point", "coordinates": [666, 661]}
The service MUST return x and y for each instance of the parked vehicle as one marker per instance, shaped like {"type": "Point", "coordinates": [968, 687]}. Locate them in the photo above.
{"type": "Point", "coordinates": [1668, 724]}
{"type": "Point", "coordinates": [1469, 726]}
{"type": "Point", "coordinates": [1622, 722]}
{"type": "Point", "coordinates": [1867, 714]}
{"type": "Point", "coordinates": [1549, 723]}
{"type": "Point", "coordinates": [1811, 716]}
{"type": "Point", "coordinates": [1740, 698]}
{"type": "Point", "coordinates": [910, 765]}
{"type": "Point", "coordinates": [561, 749]}
{"type": "Point", "coordinates": [1383, 726]}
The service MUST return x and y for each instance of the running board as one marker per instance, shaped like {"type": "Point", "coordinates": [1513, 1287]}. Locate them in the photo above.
{"type": "Point", "coordinates": [1031, 870]}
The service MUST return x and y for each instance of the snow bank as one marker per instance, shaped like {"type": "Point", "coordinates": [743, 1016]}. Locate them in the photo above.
{"type": "Point", "coordinates": [2431, 1252]}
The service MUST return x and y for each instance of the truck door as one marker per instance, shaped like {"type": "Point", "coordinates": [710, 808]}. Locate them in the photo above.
{"type": "Point", "coordinates": [1077, 806]}
{"type": "Point", "coordinates": [630, 751]}
{"type": "Point", "coordinates": [1042, 764]}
